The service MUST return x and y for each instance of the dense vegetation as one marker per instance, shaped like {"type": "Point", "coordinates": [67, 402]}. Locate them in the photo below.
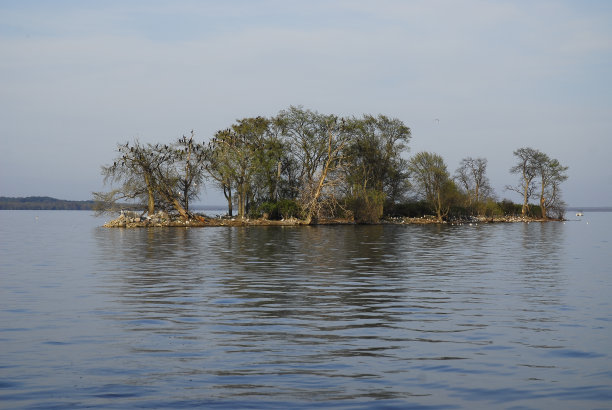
{"type": "Point", "coordinates": [43, 202]}
{"type": "Point", "coordinates": [307, 165]}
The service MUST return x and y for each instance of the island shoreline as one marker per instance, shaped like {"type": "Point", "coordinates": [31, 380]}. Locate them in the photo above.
{"type": "Point", "coordinates": [202, 221]}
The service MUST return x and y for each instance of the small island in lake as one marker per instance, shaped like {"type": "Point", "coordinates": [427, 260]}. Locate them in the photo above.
{"type": "Point", "coordinates": [302, 167]}
{"type": "Point", "coordinates": [131, 219]}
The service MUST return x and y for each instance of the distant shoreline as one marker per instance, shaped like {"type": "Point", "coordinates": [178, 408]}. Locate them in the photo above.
{"type": "Point", "coordinates": [43, 203]}
{"type": "Point", "coordinates": [47, 203]}
{"type": "Point", "coordinates": [589, 209]}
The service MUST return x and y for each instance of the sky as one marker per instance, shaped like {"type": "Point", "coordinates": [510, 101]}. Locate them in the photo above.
{"type": "Point", "coordinates": [469, 77]}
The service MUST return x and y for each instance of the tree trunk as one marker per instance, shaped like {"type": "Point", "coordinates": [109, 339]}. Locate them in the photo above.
{"type": "Point", "coordinates": [150, 196]}
{"type": "Point", "coordinates": [543, 200]}
{"type": "Point", "coordinates": [439, 207]}
{"type": "Point", "coordinates": [525, 200]}
{"type": "Point", "coordinates": [543, 207]}
{"type": "Point", "coordinates": [241, 201]}
{"type": "Point", "coordinates": [227, 192]}
{"type": "Point", "coordinates": [177, 205]}
{"type": "Point", "coordinates": [311, 206]}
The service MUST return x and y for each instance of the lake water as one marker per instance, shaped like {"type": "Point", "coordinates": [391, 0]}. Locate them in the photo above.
{"type": "Point", "coordinates": [511, 316]}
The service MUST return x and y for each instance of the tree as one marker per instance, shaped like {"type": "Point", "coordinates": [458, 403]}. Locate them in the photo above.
{"type": "Point", "coordinates": [134, 168]}
{"type": "Point", "coordinates": [527, 168]}
{"type": "Point", "coordinates": [270, 162]}
{"type": "Point", "coordinates": [328, 178]}
{"type": "Point", "coordinates": [471, 177]}
{"type": "Point", "coordinates": [189, 160]}
{"type": "Point", "coordinates": [145, 172]}
{"type": "Point", "coordinates": [375, 168]}
{"type": "Point", "coordinates": [218, 165]}
{"type": "Point", "coordinates": [432, 182]}
{"type": "Point", "coordinates": [551, 174]}
{"type": "Point", "coordinates": [316, 143]}
{"type": "Point", "coordinates": [237, 155]}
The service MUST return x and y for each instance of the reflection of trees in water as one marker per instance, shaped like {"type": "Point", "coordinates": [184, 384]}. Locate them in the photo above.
{"type": "Point", "coordinates": [313, 271]}
{"type": "Point", "coordinates": [539, 261]}
{"type": "Point", "coordinates": [156, 274]}
{"type": "Point", "coordinates": [325, 273]}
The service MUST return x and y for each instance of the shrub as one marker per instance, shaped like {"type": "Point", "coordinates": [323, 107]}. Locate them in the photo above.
{"type": "Point", "coordinates": [509, 208]}
{"type": "Point", "coordinates": [490, 208]}
{"type": "Point", "coordinates": [367, 207]}
{"type": "Point", "coordinates": [288, 208]}
{"type": "Point", "coordinates": [410, 209]}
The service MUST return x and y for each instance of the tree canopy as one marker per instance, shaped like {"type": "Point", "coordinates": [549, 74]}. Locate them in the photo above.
{"type": "Point", "coordinates": [304, 164]}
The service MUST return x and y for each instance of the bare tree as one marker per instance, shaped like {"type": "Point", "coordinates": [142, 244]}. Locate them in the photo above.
{"type": "Point", "coordinates": [189, 160]}
{"type": "Point", "coordinates": [134, 169]}
{"type": "Point", "coordinates": [146, 172]}
{"type": "Point", "coordinates": [552, 174]}
{"type": "Point", "coordinates": [526, 167]}
{"type": "Point", "coordinates": [329, 177]}
{"type": "Point", "coordinates": [472, 178]}
{"type": "Point", "coordinates": [315, 142]}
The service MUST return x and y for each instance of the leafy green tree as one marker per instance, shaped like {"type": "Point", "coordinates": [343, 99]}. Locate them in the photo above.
{"type": "Point", "coordinates": [432, 182]}
{"type": "Point", "coordinates": [239, 156]}
{"type": "Point", "coordinates": [375, 168]}
{"type": "Point", "coordinates": [219, 167]}
{"type": "Point", "coordinates": [270, 157]}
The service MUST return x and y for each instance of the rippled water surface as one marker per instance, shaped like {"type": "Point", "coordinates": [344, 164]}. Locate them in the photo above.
{"type": "Point", "coordinates": [482, 316]}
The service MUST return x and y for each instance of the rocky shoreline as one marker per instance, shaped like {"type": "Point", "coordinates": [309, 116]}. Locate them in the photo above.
{"type": "Point", "coordinates": [161, 219]}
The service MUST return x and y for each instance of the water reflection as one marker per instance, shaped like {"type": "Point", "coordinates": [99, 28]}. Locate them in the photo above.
{"type": "Point", "coordinates": [539, 263]}
{"type": "Point", "coordinates": [339, 313]}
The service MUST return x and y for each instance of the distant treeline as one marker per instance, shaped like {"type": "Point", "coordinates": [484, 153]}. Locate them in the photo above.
{"type": "Point", "coordinates": [43, 203]}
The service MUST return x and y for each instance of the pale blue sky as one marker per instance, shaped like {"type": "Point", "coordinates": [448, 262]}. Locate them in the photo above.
{"type": "Point", "coordinates": [76, 77]}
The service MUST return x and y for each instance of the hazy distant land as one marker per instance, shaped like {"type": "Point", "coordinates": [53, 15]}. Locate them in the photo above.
{"type": "Point", "coordinates": [49, 203]}
{"type": "Point", "coordinates": [43, 203]}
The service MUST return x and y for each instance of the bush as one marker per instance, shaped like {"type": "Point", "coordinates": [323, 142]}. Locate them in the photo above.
{"type": "Point", "coordinates": [285, 208]}
{"type": "Point", "coordinates": [269, 210]}
{"type": "Point", "coordinates": [490, 209]}
{"type": "Point", "coordinates": [535, 211]}
{"type": "Point", "coordinates": [410, 209]}
{"type": "Point", "coordinates": [288, 208]}
{"type": "Point", "coordinates": [509, 208]}
{"type": "Point", "coordinates": [367, 207]}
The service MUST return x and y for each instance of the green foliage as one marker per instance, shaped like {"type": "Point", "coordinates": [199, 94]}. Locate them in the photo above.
{"type": "Point", "coordinates": [367, 207]}
{"type": "Point", "coordinates": [414, 209]}
{"type": "Point", "coordinates": [304, 164]}
{"type": "Point", "coordinates": [490, 209]}
{"type": "Point", "coordinates": [535, 211]}
{"type": "Point", "coordinates": [432, 182]}
{"type": "Point", "coordinates": [289, 208]}
{"type": "Point", "coordinates": [283, 209]}
{"type": "Point", "coordinates": [509, 208]}
{"type": "Point", "coordinates": [373, 155]}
